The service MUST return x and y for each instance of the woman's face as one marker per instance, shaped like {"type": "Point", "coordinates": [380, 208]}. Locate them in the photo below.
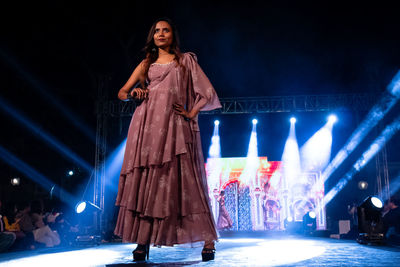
{"type": "Point", "coordinates": [163, 36]}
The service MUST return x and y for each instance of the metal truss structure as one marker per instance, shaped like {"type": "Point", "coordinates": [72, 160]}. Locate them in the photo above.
{"type": "Point", "coordinates": [235, 105]}
{"type": "Point", "coordinates": [271, 104]}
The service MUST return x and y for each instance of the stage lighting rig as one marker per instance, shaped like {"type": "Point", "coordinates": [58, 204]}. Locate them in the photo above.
{"type": "Point", "coordinates": [83, 206]}
{"type": "Point", "coordinates": [370, 223]}
{"type": "Point", "coordinates": [86, 236]}
{"type": "Point", "coordinates": [309, 223]}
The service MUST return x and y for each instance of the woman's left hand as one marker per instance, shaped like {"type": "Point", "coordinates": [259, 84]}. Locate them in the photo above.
{"type": "Point", "coordinates": [180, 110]}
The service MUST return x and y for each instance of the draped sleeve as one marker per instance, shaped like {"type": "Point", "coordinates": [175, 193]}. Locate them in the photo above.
{"type": "Point", "coordinates": [204, 96]}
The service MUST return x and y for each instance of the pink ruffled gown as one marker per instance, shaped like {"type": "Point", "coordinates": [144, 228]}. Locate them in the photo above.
{"type": "Point", "coordinates": [162, 191]}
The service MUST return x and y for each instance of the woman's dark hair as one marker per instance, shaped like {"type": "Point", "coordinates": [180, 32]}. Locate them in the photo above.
{"type": "Point", "coordinates": [151, 49]}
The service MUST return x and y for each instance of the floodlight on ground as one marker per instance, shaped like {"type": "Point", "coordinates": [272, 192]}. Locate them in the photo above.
{"type": "Point", "coordinates": [309, 223]}
{"type": "Point", "coordinates": [83, 206]}
{"type": "Point", "coordinates": [370, 223]}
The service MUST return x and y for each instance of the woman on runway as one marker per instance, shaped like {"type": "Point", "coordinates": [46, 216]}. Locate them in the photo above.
{"type": "Point", "coordinates": [224, 220]}
{"type": "Point", "coordinates": [162, 192]}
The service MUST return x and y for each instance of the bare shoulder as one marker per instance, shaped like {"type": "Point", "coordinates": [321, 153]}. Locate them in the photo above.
{"type": "Point", "coordinates": [142, 65]}
{"type": "Point", "coordinates": [140, 68]}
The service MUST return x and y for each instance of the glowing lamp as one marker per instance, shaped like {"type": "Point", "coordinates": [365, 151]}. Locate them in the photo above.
{"type": "Point", "coordinates": [80, 207]}
{"type": "Point", "coordinates": [332, 119]}
{"type": "Point", "coordinates": [254, 121]}
{"type": "Point", "coordinates": [216, 122]}
{"type": "Point", "coordinates": [376, 202]}
{"type": "Point", "coordinates": [15, 181]}
{"type": "Point", "coordinates": [83, 206]}
{"type": "Point", "coordinates": [312, 215]}
{"type": "Point", "coordinates": [362, 185]}
{"type": "Point", "coordinates": [293, 120]}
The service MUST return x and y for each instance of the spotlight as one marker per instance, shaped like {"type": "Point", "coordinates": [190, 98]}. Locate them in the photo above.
{"type": "Point", "coordinates": [291, 226]}
{"type": "Point", "coordinates": [88, 237]}
{"type": "Point", "coordinates": [83, 206]}
{"type": "Point", "coordinates": [80, 207]}
{"type": "Point", "coordinates": [293, 120]}
{"type": "Point", "coordinates": [312, 215]}
{"type": "Point", "coordinates": [15, 181]}
{"type": "Point", "coordinates": [370, 223]}
{"type": "Point", "coordinates": [377, 202]}
{"type": "Point", "coordinates": [216, 122]}
{"type": "Point", "coordinates": [288, 223]}
{"type": "Point", "coordinates": [362, 185]}
{"type": "Point", "coordinates": [255, 121]}
{"type": "Point", "coordinates": [332, 119]}
{"type": "Point", "coordinates": [309, 223]}
{"type": "Point", "coordinates": [70, 173]}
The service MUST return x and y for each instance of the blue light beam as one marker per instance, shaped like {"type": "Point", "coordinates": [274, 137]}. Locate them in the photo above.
{"type": "Point", "coordinates": [215, 148]}
{"type": "Point", "coordinates": [252, 152]}
{"type": "Point", "coordinates": [291, 157]}
{"type": "Point", "coordinates": [374, 148]}
{"type": "Point", "coordinates": [41, 88]}
{"type": "Point", "coordinates": [114, 164]}
{"type": "Point", "coordinates": [52, 141]}
{"type": "Point", "coordinates": [394, 186]}
{"type": "Point", "coordinates": [32, 174]}
{"type": "Point", "coordinates": [249, 174]}
{"type": "Point", "coordinates": [385, 104]}
{"type": "Point", "coordinates": [291, 167]}
{"type": "Point", "coordinates": [316, 152]}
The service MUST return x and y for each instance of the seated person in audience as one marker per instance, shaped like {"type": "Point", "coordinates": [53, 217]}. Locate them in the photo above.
{"type": "Point", "coordinates": [11, 224]}
{"type": "Point", "coordinates": [6, 238]}
{"type": "Point", "coordinates": [391, 219]}
{"type": "Point", "coordinates": [33, 223]}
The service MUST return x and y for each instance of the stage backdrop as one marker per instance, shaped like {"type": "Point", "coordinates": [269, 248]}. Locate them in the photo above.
{"type": "Point", "coordinates": [257, 196]}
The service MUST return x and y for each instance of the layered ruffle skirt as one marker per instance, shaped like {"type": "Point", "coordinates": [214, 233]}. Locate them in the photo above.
{"type": "Point", "coordinates": [166, 204]}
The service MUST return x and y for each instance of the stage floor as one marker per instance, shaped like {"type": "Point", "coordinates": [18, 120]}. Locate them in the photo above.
{"type": "Point", "coordinates": [231, 251]}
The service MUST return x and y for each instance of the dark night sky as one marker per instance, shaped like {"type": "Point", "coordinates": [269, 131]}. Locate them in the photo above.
{"type": "Point", "coordinates": [58, 49]}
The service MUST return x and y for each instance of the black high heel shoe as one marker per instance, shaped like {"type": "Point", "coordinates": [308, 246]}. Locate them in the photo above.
{"type": "Point", "coordinates": [208, 254]}
{"type": "Point", "coordinates": [140, 252]}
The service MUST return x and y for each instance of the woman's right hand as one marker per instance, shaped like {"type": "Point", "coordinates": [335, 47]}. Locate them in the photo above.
{"type": "Point", "coordinates": [140, 93]}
